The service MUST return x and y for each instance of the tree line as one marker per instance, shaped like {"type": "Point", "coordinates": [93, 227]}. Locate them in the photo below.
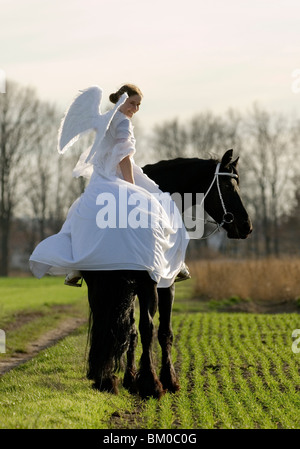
{"type": "Point", "coordinates": [37, 188]}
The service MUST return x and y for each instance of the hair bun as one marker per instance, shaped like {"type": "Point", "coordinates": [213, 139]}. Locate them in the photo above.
{"type": "Point", "coordinates": [130, 89]}
{"type": "Point", "coordinates": [114, 98]}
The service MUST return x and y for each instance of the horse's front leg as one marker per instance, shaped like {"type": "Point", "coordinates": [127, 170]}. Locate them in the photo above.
{"type": "Point", "coordinates": [147, 381]}
{"type": "Point", "coordinates": [168, 375]}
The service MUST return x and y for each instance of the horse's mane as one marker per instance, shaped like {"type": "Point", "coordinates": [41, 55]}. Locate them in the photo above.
{"type": "Point", "coordinates": [181, 161]}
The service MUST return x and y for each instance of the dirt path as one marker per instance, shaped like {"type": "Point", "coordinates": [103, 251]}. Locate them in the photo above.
{"type": "Point", "coordinates": [48, 339]}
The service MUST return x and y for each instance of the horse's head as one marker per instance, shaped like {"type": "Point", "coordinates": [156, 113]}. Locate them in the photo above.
{"type": "Point", "coordinates": [224, 203]}
{"type": "Point", "coordinates": [222, 198]}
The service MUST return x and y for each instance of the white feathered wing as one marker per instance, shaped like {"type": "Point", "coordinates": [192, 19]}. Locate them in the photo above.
{"type": "Point", "coordinates": [83, 115]}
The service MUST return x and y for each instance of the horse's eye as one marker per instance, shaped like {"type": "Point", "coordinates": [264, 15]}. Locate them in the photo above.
{"type": "Point", "coordinates": [228, 185]}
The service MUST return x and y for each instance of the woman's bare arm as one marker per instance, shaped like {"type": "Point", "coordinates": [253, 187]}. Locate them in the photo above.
{"type": "Point", "coordinates": [126, 169]}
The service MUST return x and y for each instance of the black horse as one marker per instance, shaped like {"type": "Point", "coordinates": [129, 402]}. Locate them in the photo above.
{"type": "Point", "coordinates": [112, 294]}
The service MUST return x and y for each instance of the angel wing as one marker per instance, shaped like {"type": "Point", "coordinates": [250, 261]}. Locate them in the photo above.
{"type": "Point", "coordinates": [79, 118]}
{"type": "Point", "coordinates": [83, 115]}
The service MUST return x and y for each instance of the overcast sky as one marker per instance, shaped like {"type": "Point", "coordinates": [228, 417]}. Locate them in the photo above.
{"type": "Point", "coordinates": [186, 56]}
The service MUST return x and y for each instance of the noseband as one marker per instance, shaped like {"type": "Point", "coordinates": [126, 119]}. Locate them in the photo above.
{"type": "Point", "coordinates": [228, 217]}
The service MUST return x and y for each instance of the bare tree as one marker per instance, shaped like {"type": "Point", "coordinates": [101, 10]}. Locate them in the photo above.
{"type": "Point", "coordinates": [18, 134]}
{"type": "Point", "coordinates": [270, 156]}
{"type": "Point", "coordinates": [210, 134]}
{"type": "Point", "coordinates": [42, 169]}
{"type": "Point", "coordinates": [170, 140]}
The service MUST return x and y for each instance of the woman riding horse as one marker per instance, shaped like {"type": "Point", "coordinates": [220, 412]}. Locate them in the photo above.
{"type": "Point", "coordinates": [141, 258]}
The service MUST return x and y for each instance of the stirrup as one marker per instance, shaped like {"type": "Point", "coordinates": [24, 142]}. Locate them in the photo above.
{"type": "Point", "coordinates": [183, 274]}
{"type": "Point", "coordinates": [73, 279]}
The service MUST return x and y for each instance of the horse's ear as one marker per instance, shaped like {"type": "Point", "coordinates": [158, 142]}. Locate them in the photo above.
{"type": "Point", "coordinates": [227, 158]}
{"type": "Point", "coordinates": [234, 163]}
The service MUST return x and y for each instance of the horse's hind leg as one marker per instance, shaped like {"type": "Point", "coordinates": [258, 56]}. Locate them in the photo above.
{"type": "Point", "coordinates": [168, 375]}
{"type": "Point", "coordinates": [100, 364]}
{"type": "Point", "coordinates": [129, 381]}
{"type": "Point", "coordinates": [110, 295]}
{"type": "Point", "coordinates": [147, 381]}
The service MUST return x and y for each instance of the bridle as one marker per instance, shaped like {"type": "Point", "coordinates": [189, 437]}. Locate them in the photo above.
{"type": "Point", "coordinates": [228, 217]}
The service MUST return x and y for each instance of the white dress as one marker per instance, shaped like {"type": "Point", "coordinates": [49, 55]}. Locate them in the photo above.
{"type": "Point", "coordinates": [116, 225]}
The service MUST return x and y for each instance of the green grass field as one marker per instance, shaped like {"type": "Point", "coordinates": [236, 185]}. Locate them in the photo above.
{"type": "Point", "coordinates": [29, 294]}
{"type": "Point", "coordinates": [236, 370]}
{"type": "Point", "coordinates": [29, 307]}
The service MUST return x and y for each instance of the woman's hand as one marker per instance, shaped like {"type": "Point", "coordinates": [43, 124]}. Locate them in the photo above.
{"type": "Point", "coordinates": [126, 169]}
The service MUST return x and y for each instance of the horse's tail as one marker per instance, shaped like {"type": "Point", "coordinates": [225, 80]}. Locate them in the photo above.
{"type": "Point", "coordinates": [111, 298]}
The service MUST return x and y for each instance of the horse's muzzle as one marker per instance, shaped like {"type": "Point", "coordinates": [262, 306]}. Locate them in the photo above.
{"type": "Point", "coordinates": [241, 232]}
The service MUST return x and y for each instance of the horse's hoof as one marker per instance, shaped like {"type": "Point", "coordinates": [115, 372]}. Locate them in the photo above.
{"type": "Point", "coordinates": [149, 386]}
{"type": "Point", "coordinates": [129, 382]}
{"type": "Point", "coordinates": [109, 384]}
{"type": "Point", "coordinates": [169, 380]}
{"type": "Point", "coordinates": [156, 393]}
{"type": "Point", "coordinates": [171, 387]}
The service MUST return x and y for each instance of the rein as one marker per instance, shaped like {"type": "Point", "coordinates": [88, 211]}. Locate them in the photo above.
{"type": "Point", "coordinates": [228, 217]}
